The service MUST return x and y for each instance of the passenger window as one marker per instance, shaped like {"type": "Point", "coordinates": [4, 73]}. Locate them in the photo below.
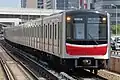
{"type": "Point", "coordinates": [50, 31]}
{"type": "Point", "coordinates": [37, 31]}
{"type": "Point", "coordinates": [58, 30]}
{"type": "Point", "coordinates": [46, 31]}
{"type": "Point", "coordinates": [55, 31]}
{"type": "Point", "coordinates": [41, 31]}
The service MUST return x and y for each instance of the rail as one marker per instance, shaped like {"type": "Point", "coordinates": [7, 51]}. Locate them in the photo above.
{"type": "Point", "coordinates": [7, 70]}
{"type": "Point", "coordinates": [24, 66]}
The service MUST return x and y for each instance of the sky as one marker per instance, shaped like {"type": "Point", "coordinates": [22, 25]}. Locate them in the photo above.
{"type": "Point", "coordinates": [10, 3]}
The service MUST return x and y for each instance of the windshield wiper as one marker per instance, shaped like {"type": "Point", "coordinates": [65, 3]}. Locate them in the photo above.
{"type": "Point", "coordinates": [93, 39]}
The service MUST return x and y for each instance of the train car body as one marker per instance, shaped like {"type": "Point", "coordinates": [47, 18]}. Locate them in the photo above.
{"type": "Point", "coordinates": [78, 39]}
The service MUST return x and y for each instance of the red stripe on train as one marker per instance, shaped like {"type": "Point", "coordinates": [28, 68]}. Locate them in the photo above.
{"type": "Point", "coordinates": [85, 50]}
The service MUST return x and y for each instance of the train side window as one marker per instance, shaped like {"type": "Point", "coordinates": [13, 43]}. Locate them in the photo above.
{"type": "Point", "coordinates": [58, 30]}
{"type": "Point", "coordinates": [41, 31]}
{"type": "Point", "coordinates": [55, 31]}
{"type": "Point", "coordinates": [38, 31]}
{"type": "Point", "coordinates": [50, 31]}
{"type": "Point", "coordinates": [34, 31]}
{"type": "Point", "coordinates": [31, 31]}
{"type": "Point", "coordinates": [46, 31]}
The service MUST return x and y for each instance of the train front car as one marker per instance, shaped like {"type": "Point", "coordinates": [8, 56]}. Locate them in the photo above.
{"type": "Point", "coordinates": [87, 39]}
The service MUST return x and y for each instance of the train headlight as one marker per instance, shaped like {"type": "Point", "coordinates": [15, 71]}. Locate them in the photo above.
{"type": "Point", "coordinates": [87, 62]}
{"type": "Point", "coordinates": [104, 19]}
{"type": "Point", "coordinates": [68, 18]}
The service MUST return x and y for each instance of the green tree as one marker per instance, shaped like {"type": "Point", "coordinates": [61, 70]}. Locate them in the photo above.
{"type": "Point", "coordinates": [113, 29]}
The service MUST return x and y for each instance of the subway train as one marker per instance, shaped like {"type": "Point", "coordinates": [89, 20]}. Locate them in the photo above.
{"type": "Point", "coordinates": [69, 39]}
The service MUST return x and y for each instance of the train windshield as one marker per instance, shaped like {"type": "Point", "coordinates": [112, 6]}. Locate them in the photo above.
{"type": "Point", "coordinates": [87, 27]}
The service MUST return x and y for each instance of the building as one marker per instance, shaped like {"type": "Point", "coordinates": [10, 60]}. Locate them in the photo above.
{"type": "Point", "coordinates": [68, 4]}
{"type": "Point", "coordinates": [110, 7]}
{"type": "Point", "coordinates": [57, 4]}
{"type": "Point", "coordinates": [32, 3]}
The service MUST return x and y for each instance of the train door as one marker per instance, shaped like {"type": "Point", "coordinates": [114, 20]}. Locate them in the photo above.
{"type": "Point", "coordinates": [50, 37]}
{"type": "Point", "coordinates": [41, 36]}
{"type": "Point", "coordinates": [46, 37]}
{"type": "Point", "coordinates": [27, 35]}
{"type": "Point", "coordinates": [23, 34]}
{"type": "Point", "coordinates": [35, 35]}
{"type": "Point", "coordinates": [59, 37]}
{"type": "Point", "coordinates": [56, 38]}
{"type": "Point", "coordinates": [32, 38]}
{"type": "Point", "coordinates": [53, 37]}
{"type": "Point", "coordinates": [37, 40]}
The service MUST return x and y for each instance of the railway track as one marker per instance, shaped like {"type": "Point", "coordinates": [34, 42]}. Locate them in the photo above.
{"type": "Point", "coordinates": [41, 70]}
{"type": "Point", "coordinates": [37, 69]}
{"type": "Point", "coordinates": [6, 70]}
{"type": "Point", "coordinates": [14, 69]}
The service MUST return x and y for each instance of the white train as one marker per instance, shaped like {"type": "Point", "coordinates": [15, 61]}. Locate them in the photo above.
{"type": "Point", "coordinates": [75, 39]}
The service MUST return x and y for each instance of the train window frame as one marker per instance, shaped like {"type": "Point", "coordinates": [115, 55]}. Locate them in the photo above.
{"type": "Point", "coordinates": [34, 30]}
{"type": "Point", "coordinates": [55, 31]}
{"type": "Point", "coordinates": [46, 31]}
{"type": "Point", "coordinates": [41, 31]}
{"type": "Point", "coordinates": [58, 37]}
{"type": "Point", "coordinates": [50, 31]}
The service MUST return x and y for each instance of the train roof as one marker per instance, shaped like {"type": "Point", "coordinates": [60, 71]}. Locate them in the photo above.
{"type": "Point", "coordinates": [87, 10]}
{"type": "Point", "coordinates": [67, 11]}
{"type": "Point", "coordinates": [83, 11]}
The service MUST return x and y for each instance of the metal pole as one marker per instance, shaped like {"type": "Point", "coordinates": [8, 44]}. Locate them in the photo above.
{"type": "Point", "coordinates": [116, 20]}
